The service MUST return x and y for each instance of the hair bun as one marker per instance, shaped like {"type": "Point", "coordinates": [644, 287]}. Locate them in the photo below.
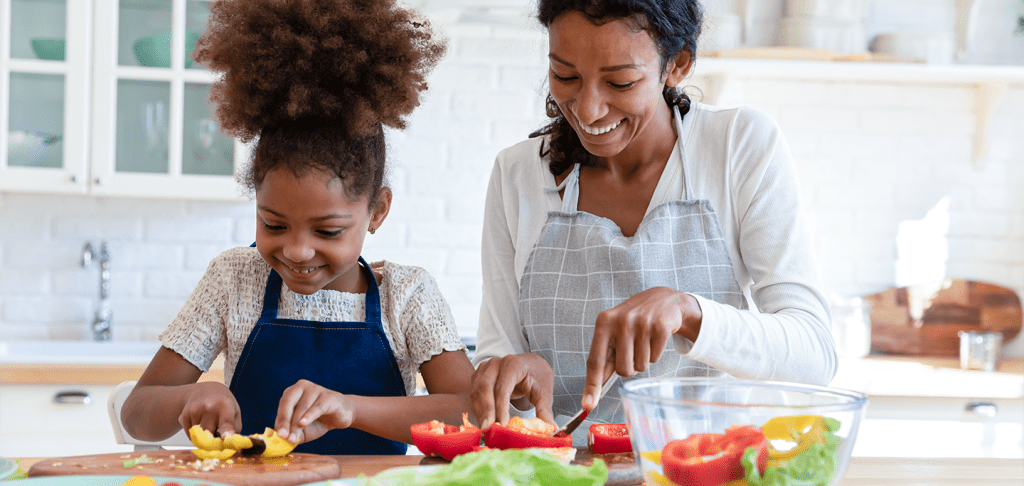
{"type": "Point", "coordinates": [356, 63]}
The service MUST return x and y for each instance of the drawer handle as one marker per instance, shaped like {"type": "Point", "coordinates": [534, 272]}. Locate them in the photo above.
{"type": "Point", "coordinates": [72, 397]}
{"type": "Point", "coordinates": [982, 409]}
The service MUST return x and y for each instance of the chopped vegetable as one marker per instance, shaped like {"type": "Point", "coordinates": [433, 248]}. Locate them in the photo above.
{"type": "Point", "coordinates": [268, 444]}
{"type": "Point", "coordinates": [143, 459]}
{"type": "Point", "coordinates": [518, 467]}
{"type": "Point", "coordinates": [713, 459]}
{"type": "Point", "coordinates": [801, 431]}
{"type": "Point", "coordinates": [446, 441]}
{"type": "Point", "coordinates": [609, 438]}
{"type": "Point", "coordinates": [815, 465]}
{"type": "Point", "coordinates": [523, 433]}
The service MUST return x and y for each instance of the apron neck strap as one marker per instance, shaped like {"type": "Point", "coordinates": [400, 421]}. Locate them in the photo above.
{"type": "Point", "coordinates": [571, 194]}
{"type": "Point", "coordinates": [272, 295]}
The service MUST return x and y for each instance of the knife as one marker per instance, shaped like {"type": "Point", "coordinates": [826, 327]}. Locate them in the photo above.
{"type": "Point", "coordinates": [582, 414]}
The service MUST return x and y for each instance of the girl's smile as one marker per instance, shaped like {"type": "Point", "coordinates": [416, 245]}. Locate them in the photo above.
{"type": "Point", "coordinates": [311, 232]}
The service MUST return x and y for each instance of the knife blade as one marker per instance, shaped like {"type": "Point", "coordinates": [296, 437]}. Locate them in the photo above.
{"type": "Point", "coordinates": [582, 414]}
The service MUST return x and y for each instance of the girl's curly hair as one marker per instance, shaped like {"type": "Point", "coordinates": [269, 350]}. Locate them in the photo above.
{"type": "Point", "coordinates": [674, 25]}
{"type": "Point", "coordinates": [315, 81]}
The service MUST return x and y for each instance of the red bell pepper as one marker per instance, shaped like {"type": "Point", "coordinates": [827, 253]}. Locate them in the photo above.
{"type": "Point", "coordinates": [447, 441]}
{"type": "Point", "coordinates": [713, 459]}
{"type": "Point", "coordinates": [609, 439]}
{"type": "Point", "coordinates": [523, 433]}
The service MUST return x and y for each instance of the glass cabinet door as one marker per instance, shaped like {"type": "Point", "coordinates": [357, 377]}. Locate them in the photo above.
{"type": "Point", "coordinates": [165, 139]}
{"type": "Point", "coordinates": [44, 94]}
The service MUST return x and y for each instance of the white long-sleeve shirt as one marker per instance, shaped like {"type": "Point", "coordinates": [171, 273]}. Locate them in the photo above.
{"type": "Point", "coordinates": [738, 160]}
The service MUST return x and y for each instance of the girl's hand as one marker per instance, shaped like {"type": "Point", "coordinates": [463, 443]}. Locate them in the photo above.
{"type": "Point", "coordinates": [633, 334]}
{"type": "Point", "coordinates": [308, 411]}
{"type": "Point", "coordinates": [211, 405]}
{"type": "Point", "coordinates": [498, 381]}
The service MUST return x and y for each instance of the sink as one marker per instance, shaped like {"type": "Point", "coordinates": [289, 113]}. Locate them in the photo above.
{"type": "Point", "coordinates": [78, 352]}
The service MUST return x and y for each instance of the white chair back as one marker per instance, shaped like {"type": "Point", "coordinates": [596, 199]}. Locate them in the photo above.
{"type": "Point", "coordinates": [114, 404]}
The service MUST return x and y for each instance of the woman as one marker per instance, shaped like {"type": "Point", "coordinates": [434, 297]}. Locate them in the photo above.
{"type": "Point", "coordinates": [639, 217]}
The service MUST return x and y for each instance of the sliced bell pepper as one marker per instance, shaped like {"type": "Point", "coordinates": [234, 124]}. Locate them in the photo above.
{"type": "Point", "coordinates": [522, 433]}
{"type": "Point", "coordinates": [713, 459]}
{"type": "Point", "coordinates": [267, 445]}
{"type": "Point", "coordinates": [609, 439]}
{"type": "Point", "coordinates": [802, 430]}
{"type": "Point", "coordinates": [446, 441]}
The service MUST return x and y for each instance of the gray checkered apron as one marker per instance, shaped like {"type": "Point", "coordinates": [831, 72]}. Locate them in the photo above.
{"type": "Point", "coordinates": [582, 265]}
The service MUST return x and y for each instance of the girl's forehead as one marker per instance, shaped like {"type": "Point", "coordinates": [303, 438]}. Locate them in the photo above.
{"type": "Point", "coordinates": [311, 183]}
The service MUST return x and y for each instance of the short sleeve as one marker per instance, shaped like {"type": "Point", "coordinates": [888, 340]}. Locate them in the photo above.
{"type": "Point", "coordinates": [198, 333]}
{"type": "Point", "coordinates": [425, 319]}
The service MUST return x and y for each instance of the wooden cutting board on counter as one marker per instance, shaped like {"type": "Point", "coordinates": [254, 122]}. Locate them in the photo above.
{"type": "Point", "coordinates": [925, 321]}
{"type": "Point", "coordinates": [622, 468]}
{"type": "Point", "coordinates": [291, 470]}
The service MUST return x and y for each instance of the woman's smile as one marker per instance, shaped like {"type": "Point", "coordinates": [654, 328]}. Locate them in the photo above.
{"type": "Point", "coordinates": [597, 130]}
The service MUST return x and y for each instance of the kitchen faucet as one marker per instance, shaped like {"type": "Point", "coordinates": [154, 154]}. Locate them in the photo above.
{"type": "Point", "coordinates": [104, 315]}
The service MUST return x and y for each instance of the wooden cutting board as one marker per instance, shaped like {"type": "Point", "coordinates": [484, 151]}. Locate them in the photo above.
{"type": "Point", "coordinates": [955, 305]}
{"type": "Point", "coordinates": [293, 469]}
{"type": "Point", "coordinates": [622, 468]}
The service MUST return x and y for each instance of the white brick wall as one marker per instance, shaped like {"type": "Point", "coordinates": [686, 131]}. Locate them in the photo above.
{"type": "Point", "coordinates": [869, 155]}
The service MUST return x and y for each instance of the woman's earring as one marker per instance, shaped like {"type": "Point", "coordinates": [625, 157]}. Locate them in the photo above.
{"type": "Point", "coordinates": [373, 230]}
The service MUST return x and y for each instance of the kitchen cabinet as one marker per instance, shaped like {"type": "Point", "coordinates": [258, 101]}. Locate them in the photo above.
{"type": "Point", "coordinates": [56, 420]}
{"type": "Point", "coordinates": [101, 97]}
{"type": "Point", "coordinates": [921, 407]}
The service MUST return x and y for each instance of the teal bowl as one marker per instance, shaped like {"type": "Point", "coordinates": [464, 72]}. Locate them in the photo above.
{"type": "Point", "coordinates": [155, 50]}
{"type": "Point", "coordinates": [49, 49]}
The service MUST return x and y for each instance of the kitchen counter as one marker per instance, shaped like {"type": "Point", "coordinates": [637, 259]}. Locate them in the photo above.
{"type": "Point", "coordinates": [80, 362]}
{"type": "Point", "coordinates": [861, 470]}
{"type": "Point", "coordinates": [921, 376]}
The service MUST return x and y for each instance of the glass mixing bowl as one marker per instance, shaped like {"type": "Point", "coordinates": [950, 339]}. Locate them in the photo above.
{"type": "Point", "coordinates": [698, 430]}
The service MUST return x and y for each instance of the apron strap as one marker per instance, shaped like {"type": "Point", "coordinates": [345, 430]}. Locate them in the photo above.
{"type": "Point", "coordinates": [271, 296]}
{"type": "Point", "coordinates": [372, 294]}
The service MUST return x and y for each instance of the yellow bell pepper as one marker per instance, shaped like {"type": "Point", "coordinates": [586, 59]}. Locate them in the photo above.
{"type": "Point", "coordinates": [277, 446]}
{"type": "Point", "coordinates": [210, 447]}
{"type": "Point", "coordinates": [204, 439]}
{"type": "Point", "coordinates": [223, 454]}
{"type": "Point", "coordinates": [238, 442]}
{"type": "Point", "coordinates": [802, 430]}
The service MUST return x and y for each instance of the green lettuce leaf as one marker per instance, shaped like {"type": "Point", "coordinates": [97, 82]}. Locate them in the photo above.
{"type": "Point", "coordinates": [814, 467]}
{"type": "Point", "coordinates": [513, 467]}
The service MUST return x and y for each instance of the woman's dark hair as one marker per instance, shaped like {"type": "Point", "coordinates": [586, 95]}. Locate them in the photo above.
{"type": "Point", "coordinates": [674, 25]}
{"type": "Point", "coordinates": [315, 81]}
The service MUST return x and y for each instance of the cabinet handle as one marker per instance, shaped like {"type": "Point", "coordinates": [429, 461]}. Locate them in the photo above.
{"type": "Point", "coordinates": [982, 409]}
{"type": "Point", "coordinates": [100, 181]}
{"type": "Point", "coordinates": [75, 178]}
{"type": "Point", "coordinates": [72, 397]}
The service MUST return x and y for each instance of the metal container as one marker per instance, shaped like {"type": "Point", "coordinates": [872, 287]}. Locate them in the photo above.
{"type": "Point", "coordinates": [980, 350]}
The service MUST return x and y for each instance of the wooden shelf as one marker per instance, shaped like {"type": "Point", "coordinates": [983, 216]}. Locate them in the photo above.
{"type": "Point", "coordinates": [990, 83]}
{"type": "Point", "coordinates": [859, 71]}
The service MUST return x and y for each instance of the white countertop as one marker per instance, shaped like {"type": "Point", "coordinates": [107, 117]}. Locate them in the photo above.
{"type": "Point", "coordinates": [901, 377]}
{"type": "Point", "coordinates": [78, 352]}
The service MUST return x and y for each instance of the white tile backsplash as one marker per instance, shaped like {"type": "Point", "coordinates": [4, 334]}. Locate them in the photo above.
{"type": "Point", "coordinates": [869, 156]}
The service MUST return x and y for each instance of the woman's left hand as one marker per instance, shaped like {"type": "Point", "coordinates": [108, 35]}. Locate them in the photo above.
{"type": "Point", "coordinates": [633, 334]}
{"type": "Point", "coordinates": [308, 411]}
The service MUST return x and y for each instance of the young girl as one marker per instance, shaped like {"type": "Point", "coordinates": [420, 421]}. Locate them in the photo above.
{"type": "Point", "coordinates": [318, 345]}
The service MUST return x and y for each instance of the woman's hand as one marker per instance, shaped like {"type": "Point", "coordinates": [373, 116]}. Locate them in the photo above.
{"type": "Point", "coordinates": [308, 411]}
{"type": "Point", "coordinates": [211, 405]}
{"type": "Point", "coordinates": [633, 334]}
{"type": "Point", "coordinates": [498, 381]}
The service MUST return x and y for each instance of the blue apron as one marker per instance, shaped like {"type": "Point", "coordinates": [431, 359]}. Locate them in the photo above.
{"type": "Point", "coordinates": [352, 358]}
